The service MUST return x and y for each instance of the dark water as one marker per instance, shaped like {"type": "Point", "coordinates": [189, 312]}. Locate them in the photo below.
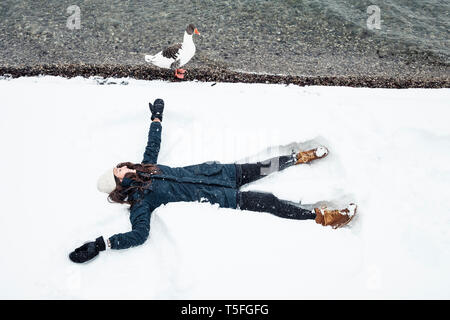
{"type": "Point", "coordinates": [302, 37]}
{"type": "Point", "coordinates": [422, 24]}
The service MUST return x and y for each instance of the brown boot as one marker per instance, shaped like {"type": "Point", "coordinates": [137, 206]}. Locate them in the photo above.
{"type": "Point", "coordinates": [335, 218]}
{"type": "Point", "coordinates": [313, 154]}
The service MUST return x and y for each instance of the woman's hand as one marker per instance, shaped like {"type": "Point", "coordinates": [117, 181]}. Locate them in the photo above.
{"type": "Point", "coordinates": [88, 251]}
{"type": "Point", "coordinates": [157, 109]}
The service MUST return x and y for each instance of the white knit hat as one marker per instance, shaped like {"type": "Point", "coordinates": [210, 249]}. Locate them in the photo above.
{"type": "Point", "coordinates": [106, 182]}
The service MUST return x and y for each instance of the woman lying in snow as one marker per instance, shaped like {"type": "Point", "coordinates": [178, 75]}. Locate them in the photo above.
{"type": "Point", "coordinates": [148, 185]}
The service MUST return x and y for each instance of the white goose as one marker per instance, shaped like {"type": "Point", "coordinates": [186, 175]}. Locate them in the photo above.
{"type": "Point", "coordinates": [176, 55]}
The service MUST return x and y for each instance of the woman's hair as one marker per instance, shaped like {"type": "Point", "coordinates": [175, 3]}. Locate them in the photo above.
{"type": "Point", "coordinates": [141, 179]}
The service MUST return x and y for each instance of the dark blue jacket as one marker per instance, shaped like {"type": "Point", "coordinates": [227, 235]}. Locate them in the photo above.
{"type": "Point", "coordinates": [207, 182]}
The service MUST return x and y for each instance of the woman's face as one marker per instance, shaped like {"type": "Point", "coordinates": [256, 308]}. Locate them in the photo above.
{"type": "Point", "coordinates": [121, 172]}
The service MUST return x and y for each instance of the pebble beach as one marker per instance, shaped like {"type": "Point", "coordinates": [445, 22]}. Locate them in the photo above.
{"type": "Point", "coordinates": [299, 42]}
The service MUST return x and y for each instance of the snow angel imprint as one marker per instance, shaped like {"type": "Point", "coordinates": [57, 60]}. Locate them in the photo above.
{"type": "Point", "coordinates": [147, 185]}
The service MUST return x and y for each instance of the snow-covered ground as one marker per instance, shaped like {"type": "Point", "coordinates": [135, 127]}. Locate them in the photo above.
{"type": "Point", "coordinates": [389, 152]}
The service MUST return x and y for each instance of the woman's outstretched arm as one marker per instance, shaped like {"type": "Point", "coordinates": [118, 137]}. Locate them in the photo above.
{"type": "Point", "coordinates": [154, 134]}
{"type": "Point", "coordinates": [140, 228]}
{"type": "Point", "coordinates": [153, 143]}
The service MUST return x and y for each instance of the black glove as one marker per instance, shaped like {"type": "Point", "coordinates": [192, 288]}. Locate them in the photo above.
{"type": "Point", "coordinates": [88, 251]}
{"type": "Point", "coordinates": [157, 109]}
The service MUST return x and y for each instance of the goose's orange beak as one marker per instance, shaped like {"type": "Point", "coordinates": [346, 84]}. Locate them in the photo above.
{"type": "Point", "coordinates": [196, 31]}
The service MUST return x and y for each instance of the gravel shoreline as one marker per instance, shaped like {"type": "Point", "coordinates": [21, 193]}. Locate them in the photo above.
{"type": "Point", "coordinates": [289, 42]}
{"type": "Point", "coordinates": [218, 75]}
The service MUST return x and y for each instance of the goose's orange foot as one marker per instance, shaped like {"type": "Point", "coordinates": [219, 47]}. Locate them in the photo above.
{"type": "Point", "coordinates": [179, 73]}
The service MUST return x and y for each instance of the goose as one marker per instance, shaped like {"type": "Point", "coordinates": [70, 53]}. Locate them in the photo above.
{"type": "Point", "coordinates": [177, 55]}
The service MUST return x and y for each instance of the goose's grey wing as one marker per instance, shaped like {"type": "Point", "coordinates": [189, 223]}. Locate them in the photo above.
{"type": "Point", "coordinates": [172, 51]}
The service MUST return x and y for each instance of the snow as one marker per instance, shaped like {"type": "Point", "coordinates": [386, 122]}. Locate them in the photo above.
{"type": "Point", "coordinates": [321, 151]}
{"type": "Point", "coordinates": [389, 152]}
{"type": "Point", "coordinates": [351, 208]}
